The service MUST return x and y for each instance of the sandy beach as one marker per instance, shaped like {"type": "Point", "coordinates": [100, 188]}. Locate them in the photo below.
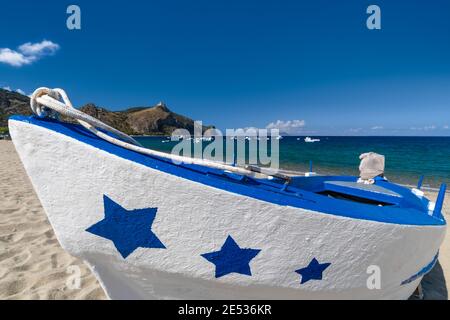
{"type": "Point", "coordinates": [34, 266]}
{"type": "Point", "coordinates": [32, 263]}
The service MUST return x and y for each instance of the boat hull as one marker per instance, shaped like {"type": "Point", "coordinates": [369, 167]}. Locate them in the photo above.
{"type": "Point", "coordinates": [72, 179]}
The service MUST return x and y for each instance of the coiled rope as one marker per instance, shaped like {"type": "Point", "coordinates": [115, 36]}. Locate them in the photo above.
{"type": "Point", "coordinates": [49, 102]}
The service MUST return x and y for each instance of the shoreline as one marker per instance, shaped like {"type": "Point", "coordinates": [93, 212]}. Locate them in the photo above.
{"type": "Point", "coordinates": [34, 266]}
{"type": "Point", "coordinates": [340, 157]}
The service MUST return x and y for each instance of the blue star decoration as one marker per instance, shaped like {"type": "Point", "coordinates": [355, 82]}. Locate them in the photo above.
{"type": "Point", "coordinates": [127, 229]}
{"type": "Point", "coordinates": [313, 271]}
{"type": "Point", "coordinates": [231, 258]}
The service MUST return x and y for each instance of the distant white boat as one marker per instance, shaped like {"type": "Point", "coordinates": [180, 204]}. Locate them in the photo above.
{"type": "Point", "coordinates": [177, 138]}
{"type": "Point", "coordinates": [309, 139]}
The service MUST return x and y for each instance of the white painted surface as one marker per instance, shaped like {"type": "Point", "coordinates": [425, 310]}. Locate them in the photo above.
{"type": "Point", "coordinates": [71, 178]}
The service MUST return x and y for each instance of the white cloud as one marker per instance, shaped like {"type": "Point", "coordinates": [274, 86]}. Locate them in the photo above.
{"type": "Point", "coordinates": [44, 47]}
{"type": "Point", "coordinates": [290, 126]}
{"type": "Point", "coordinates": [355, 129]}
{"type": "Point", "coordinates": [446, 127]}
{"type": "Point", "coordinates": [14, 58]}
{"type": "Point", "coordinates": [17, 90]}
{"type": "Point", "coordinates": [247, 131]}
{"type": "Point", "coordinates": [426, 128]}
{"type": "Point", "coordinates": [377, 127]}
{"type": "Point", "coordinates": [27, 53]}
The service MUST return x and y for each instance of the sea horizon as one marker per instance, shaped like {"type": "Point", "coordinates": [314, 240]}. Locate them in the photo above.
{"type": "Point", "coordinates": [406, 157]}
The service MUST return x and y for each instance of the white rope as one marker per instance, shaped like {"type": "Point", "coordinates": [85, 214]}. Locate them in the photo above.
{"type": "Point", "coordinates": [46, 102]}
{"type": "Point", "coordinates": [43, 99]}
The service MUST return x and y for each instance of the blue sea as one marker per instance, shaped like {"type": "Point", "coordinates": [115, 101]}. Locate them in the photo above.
{"type": "Point", "coordinates": [406, 157]}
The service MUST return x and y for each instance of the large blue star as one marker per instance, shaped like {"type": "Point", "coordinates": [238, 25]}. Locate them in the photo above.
{"type": "Point", "coordinates": [231, 258]}
{"type": "Point", "coordinates": [127, 229]}
{"type": "Point", "coordinates": [313, 271]}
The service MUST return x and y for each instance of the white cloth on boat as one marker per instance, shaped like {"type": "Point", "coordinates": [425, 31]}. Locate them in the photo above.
{"type": "Point", "coordinates": [371, 166]}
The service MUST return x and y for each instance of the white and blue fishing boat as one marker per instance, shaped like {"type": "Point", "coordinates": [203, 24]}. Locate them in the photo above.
{"type": "Point", "coordinates": [150, 228]}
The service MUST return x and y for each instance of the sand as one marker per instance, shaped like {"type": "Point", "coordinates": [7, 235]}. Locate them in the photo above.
{"type": "Point", "coordinates": [32, 263]}
{"type": "Point", "coordinates": [34, 266]}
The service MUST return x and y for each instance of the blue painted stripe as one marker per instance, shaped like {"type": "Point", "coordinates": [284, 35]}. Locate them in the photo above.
{"type": "Point", "coordinates": [423, 271]}
{"type": "Point", "coordinates": [264, 190]}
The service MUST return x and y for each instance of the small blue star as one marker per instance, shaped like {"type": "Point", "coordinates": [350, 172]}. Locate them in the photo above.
{"type": "Point", "coordinates": [313, 271]}
{"type": "Point", "coordinates": [231, 258]}
{"type": "Point", "coordinates": [127, 229]}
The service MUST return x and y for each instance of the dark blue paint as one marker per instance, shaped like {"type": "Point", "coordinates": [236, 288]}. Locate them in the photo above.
{"type": "Point", "coordinates": [231, 258]}
{"type": "Point", "coordinates": [440, 201]}
{"type": "Point", "coordinates": [313, 271]}
{"type": "Point", "coordinates": [423, 271]}
{"type": "Point", "coordinates": [367, 194]}
{"type": "Point", "coordinates": [299, 194]}
{"type": "Point", "coordinates": [420, 182]}
{"type": "Point", "coordinates": [127, 229]}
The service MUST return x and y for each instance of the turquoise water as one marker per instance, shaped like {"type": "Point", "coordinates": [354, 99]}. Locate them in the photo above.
{"type": "Point", "coordinates": [406, 157]}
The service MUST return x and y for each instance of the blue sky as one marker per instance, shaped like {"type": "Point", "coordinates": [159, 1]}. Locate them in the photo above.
{"type": "Point", "coordinates": [244, 63]}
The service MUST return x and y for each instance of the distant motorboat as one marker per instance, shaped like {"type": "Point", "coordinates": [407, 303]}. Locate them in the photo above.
{"type": "Point", "coordinates": [176, 138]}
{"type": "Point", "coordinates": [309, 139]}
